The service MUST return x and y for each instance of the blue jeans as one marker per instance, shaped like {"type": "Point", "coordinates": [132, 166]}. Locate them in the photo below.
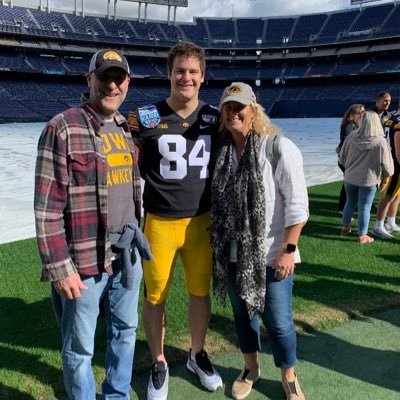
{"type": "Point", "coordinates": [277, 318]}
{"type": "Point", "coordinates": [362, 198]}
{"type": "Point", "coordinates": [78, 325]}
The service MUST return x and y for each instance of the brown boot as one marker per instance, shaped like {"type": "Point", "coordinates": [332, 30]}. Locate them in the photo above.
{"type": "Point", "coordinates": [244, 382]}
{"type": "Point", "coordinates": [293, 389]}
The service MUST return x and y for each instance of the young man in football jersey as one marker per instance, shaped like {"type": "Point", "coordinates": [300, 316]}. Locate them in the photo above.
{"type": "Point", "coordinates": [175, 136]}
{"type": "Point", "coordinates": [389, 203]}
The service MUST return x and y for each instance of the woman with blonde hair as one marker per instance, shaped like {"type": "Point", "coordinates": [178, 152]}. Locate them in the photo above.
{"type": "Point", "coordinates": [366, 157]}
{"type": "Point", "coordinates": [349, 123]}
{"type": "Point", "coordinates": [257, 214]}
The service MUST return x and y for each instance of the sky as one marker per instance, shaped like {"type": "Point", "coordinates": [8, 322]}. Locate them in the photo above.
{"type": "Point", "coordinates": [204, 8]}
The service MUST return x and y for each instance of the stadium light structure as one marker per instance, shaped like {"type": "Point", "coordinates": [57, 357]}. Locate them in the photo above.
{"type": "Point", "coordinates": [169, 3]}
{"type": "Point", "coordinates": [11, 4]}
{"type": "Point", "coordinates": [361, 2]}
{"type": "Point", "coordinates": [48, 6]}
{"type": "Point", "coordinates": [352, 2]}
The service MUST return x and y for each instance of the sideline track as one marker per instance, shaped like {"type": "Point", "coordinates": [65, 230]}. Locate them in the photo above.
{"type": "Point", "coordinates": [358, 360]}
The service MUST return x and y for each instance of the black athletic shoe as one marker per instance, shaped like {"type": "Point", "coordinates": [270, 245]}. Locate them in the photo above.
{"type": "Point", "coordinates": [202, 367]}
{"type": "Point", "coordinates": [157, 388]}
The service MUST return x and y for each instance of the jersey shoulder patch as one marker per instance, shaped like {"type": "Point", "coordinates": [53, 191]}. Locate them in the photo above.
{"type": "Point", "coordinates": [148, 116]}
{"type": "Point", "coordinates": [209, 114]}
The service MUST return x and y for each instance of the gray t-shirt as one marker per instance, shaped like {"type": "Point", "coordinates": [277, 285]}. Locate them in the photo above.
{"type": "Point", "coordinates": [121, 208]}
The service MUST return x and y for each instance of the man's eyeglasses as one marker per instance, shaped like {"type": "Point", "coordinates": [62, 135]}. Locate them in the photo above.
{"type": "Point", "coordinates": [117, 78]}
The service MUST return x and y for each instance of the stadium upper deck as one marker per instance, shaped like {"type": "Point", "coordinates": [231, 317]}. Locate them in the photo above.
{"type": "Point", "coordinates": [367, 23]}
{"type": "Point", "coordinates": [304, 65]}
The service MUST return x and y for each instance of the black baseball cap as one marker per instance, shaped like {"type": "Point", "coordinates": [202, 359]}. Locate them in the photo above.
{"type": "Point", "coordinates": [105, 59]}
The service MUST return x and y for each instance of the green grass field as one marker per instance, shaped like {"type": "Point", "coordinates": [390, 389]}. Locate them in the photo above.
{"type": "Point", "coordinates": [338, 279]}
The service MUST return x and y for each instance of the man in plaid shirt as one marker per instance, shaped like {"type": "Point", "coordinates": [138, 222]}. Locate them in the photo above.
{"type": "Point", "coordinates": [87, 192]}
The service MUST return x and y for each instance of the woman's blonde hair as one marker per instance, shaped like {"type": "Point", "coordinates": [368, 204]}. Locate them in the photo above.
{"type": "Point", "coordinates": [350, 113]}
{"type": "Point", "coordinates": [262, 125]}
{"type": "Point", "coordinates": [370, 126]}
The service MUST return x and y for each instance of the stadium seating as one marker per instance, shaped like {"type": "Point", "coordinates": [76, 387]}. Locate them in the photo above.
{"type": "Point", "coordinates": [278, 31]}
{"type": "Point", "coordinates": [297, 70]}
{"type": "Point", "coordinates": [346, 67]}
{"type": "Point", "coordinates": [221, 30]}
{"type": "Point", "coordinates": [249, 31]}
{"type": "Point", "coordinates": [15, 16]}
{"type": "Point", "coordinates": [375, 21]}
{"type": "Point", "coordinates": [46, 64]}
{"type": "Point", "coordinates": [371, 18]}
{"type": "Point", "coordinates": [320, 68]}
{"type": "Point", "coordinates": [326, 59]}
{"type": "Point", "coordinates": [196, 33]}
{"type": "Point", "coordinates": [336, 25]}
{"type": "Point", "coordinates": [383, 64]}
{"type": "Point", "coordinates": [54, 21]}
{"type": "Point", "coordinates": [391, 26]}
{"type": "Point", "coordinates": [307, 28]}
{"type": "Point", "coordinates": [13, 62]}
{"type": "Point", "coordinates": [76, 65]}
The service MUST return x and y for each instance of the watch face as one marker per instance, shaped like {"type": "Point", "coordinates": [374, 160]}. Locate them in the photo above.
{"type": "Point", "coordinates": [291, 247]}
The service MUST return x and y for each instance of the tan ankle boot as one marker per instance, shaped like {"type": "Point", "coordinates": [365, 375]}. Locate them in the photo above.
{"type": "Point", "coordinates": [244, 382]}
{"type": "Point", "coordinates": [293, 389]}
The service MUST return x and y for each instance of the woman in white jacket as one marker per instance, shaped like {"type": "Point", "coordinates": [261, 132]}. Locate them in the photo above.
{"type": "Point", "coordinates": [366, 157]}
{"type": "Point", "coordinates": [257, 215]}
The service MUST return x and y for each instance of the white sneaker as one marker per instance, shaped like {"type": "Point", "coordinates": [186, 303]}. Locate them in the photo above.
{"type": "Point", "coordinates": [157, 389]}
{"type": "Point", "coordinates": [394, 228]}
{"type": "Point", "coordinates": [382, 233]}
{"type": "Point", "coordinates": [203, 368]}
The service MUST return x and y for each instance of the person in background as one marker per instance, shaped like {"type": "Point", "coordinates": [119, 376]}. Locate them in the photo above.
{"type": "Point", "coordinates": [257, 217]}
{"type": "Point", "coordinates": [349, 122]}
{"type": "Point", "coordinates": [382, 104]}
{"type": "Point", "coordinates": [381, 107]}
{"type": "Point", "coordinates": [87, 228]}
{"type": "Point", "coordinates": [389, 203]}
{"type": "Point", "coordinates": [175, 137]}
{"type": "Point", "coordinates": [366, 158]}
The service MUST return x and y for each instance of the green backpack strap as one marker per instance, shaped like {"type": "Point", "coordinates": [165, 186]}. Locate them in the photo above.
{"type": "Point", "coordinates": [273, 151]}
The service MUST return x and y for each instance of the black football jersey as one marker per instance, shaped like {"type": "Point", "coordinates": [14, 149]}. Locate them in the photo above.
{"type": "Point", "coordinates": [175, 159]}
{"type": "Point", "coordinates": [391, 126]}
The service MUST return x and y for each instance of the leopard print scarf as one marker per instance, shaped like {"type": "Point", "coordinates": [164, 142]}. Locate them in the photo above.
{"type": "Point", "coordinates": [238, 213]}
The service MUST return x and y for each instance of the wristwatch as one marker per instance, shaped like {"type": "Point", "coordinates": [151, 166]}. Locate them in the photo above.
{"type": "Point", "coordinates": [289, 247]}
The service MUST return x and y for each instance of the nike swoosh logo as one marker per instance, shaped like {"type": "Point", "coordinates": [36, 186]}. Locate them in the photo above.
{"type": "Point", "coordinates": [203, 126]}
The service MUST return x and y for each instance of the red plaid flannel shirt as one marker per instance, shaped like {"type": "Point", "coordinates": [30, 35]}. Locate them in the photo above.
{"type": "Point", "coordinates": [71, 195]}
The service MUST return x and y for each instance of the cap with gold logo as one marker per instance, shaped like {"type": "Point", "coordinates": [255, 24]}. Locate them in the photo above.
{"type": "Point", "coordinates": [238, 91]}
{"type": "Point", "coordinates": [105, 59]}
